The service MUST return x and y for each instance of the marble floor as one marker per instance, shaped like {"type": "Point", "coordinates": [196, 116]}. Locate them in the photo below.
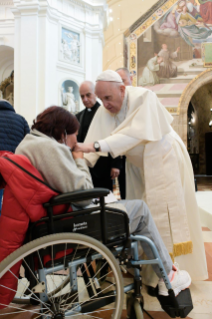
{"type": "Point", "coordinates": [204, 183]}
{"type": "Point", "coordinates": [201, 290]}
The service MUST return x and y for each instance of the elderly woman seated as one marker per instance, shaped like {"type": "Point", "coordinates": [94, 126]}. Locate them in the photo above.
{"type": "Point", "coordinates": [50, 149]}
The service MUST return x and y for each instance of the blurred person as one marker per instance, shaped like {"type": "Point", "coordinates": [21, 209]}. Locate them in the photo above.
{"type": "Point", "coordinates": [125, 75]}
{"type": "Point", "coordinates": [13, 128]}
{"type": "Point", "coordinates": [106, 168]}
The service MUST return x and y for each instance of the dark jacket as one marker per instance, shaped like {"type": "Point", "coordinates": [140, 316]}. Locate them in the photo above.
{"type": "Point", "coordinates": [13, 127]}
{"type": "Point", "coordinates": [101, 171]}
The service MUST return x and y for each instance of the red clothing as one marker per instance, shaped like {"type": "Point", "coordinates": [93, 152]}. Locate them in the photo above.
{"type": "Point", "coordinates": [206, 12]}
{"type": "Point", "coordinates": [22, 203]}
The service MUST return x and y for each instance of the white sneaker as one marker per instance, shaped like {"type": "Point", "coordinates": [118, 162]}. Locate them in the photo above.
{"type": "Point", "coordinates": [180, 281]}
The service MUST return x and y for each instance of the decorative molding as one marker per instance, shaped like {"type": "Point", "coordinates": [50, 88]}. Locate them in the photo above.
{"type": "Point", "coordinates": [147, 15]}
{"type": "Point", "coordinates": [70, 68]}
{"type": "Point", "coordinates": [2, 40]}
{"type": "Point", "coordinates": [86, 5]}
{"type": "Point", "coordinates": [6, 3]}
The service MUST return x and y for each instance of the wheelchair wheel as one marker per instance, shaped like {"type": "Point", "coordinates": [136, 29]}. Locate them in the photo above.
{"type": "Point", "coordinates": [134, 307]}
{"type": "Point", "coordinates": [26, 300]}
{"type": "Point", "coordinates": [64, 279]}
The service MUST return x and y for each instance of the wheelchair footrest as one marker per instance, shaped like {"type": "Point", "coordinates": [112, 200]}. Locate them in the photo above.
{"type": "Point", "coordinates": [180, 307]}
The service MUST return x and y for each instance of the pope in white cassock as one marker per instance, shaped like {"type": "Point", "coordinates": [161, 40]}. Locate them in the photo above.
{"type": "Point", "coordinates": [158, 169]}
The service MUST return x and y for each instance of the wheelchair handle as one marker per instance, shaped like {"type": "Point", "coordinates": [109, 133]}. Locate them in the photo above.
{"type": "Point", "coordinates": [76, 196]}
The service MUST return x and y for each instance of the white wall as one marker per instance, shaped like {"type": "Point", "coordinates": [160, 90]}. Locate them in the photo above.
{"type": "Point", "coordinates": [33, 28]}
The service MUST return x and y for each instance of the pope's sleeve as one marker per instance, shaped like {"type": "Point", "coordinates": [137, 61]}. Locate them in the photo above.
{"type": "Point", "coordinates": [118, 144]}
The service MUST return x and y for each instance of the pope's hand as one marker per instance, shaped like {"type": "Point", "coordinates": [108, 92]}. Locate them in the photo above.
{"type": "Point", "coordinates": [114, 173]}
{"type": "Point", "coordinates": [85, 148]}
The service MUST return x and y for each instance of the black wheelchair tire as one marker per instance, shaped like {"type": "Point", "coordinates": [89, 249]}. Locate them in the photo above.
{"type": "Point", "coordinates": [40, 243]}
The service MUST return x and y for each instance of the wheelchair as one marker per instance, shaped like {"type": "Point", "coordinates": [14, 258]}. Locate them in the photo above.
{"type": "Point", "coordinates": [70, 265]}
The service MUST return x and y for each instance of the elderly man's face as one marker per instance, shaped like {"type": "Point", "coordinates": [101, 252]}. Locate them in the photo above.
{"type": "Point", "coordinates": [111, 94]}
{"type": "Point", "coordinates": [87, 95]}
{"type": "Point", "coordinates": [127, 80]}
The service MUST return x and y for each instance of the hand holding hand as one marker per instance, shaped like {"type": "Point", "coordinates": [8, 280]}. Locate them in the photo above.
{"type": "Point", "coordinates": [114, 173]}
{"type": "Point", "coordinates": [77, 155]}
{"type": "Point", "coordinates": [85, 148]}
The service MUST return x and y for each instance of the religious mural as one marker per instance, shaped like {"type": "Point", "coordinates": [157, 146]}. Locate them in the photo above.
{"type": "Point", "coordinates": [170, 48]}
{"type": "Point", "coordinates": [7, 89]}
{"type": "Point", "coordinates": [70, 46]}
{"type": "Point", "coordinates": [70, 96]}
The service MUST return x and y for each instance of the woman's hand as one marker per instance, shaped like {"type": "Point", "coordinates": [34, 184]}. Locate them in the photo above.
{"type": "Point", "coordinates": [114, 173]}
{"type": "Point", "coordinates": [77, 155]}
{"type": "Point", "coordinates": [85, 148]}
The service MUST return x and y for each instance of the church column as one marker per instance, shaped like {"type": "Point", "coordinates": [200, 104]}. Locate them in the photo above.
{"type": "Point", "coordinates": [94, 42]}
{"type": "Point", "coordinates": [29, 54]}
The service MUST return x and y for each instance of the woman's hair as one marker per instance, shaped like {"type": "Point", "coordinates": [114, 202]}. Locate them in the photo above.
{"type": "Point", "coordinates": [55, 121]}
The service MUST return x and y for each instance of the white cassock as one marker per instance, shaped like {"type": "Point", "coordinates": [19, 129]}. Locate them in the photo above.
{"type": "Point", "coordinates": [158, 170]}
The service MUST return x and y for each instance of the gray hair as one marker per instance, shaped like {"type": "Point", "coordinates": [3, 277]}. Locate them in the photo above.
{"type": "Point", "coordinates": [90, 84]}
{"type": "Point", "coordinates": [124, 69]}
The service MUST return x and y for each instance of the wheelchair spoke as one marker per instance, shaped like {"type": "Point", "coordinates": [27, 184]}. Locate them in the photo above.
{"type": "Point", "coordinates": [23, 295]}
{"type": "Point", "coordinates": [64, 263]}
{"type": "Point", "coordinates": [67, 279]}
{"type": "Point", "coordinates": [90, 298]}
{"type": "Point", "coordinates": [30, 291]}
{"type": "Point", "coordinates": [77, 293]}
{"type": "Point", "coordinates": [32, 273]}
{"type": "Point", "coordinates": [46, 281]}
{"type": "Point", "coordinates": [22, 310]}
{"type": "Point", "coordinates": [80, 270]}
{"type": "Point", "coordinates": [104, 297]}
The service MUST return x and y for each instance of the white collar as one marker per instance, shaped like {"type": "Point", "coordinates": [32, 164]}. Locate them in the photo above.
{"type": "Point", "coordinates": [121, 115]}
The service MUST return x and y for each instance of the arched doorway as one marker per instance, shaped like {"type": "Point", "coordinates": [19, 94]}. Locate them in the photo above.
{"type": "Point", "coordinates": [199, 81]}
{"type": "Point", "coordinates": [194, 116]}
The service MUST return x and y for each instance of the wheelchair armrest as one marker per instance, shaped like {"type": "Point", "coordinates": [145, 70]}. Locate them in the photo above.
{"type": "Point", "coordinates": [77, 196]}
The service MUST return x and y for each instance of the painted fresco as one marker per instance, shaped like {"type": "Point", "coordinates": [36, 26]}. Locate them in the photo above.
{"type": "Point", "coordinates": [170, 48]}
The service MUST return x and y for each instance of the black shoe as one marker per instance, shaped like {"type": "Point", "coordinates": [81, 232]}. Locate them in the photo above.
{"type": "Point", "coordinates": [152, 291]}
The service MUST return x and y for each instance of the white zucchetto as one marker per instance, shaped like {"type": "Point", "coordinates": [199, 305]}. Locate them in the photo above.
{"type": "Point", "coordinates": [109, 76]}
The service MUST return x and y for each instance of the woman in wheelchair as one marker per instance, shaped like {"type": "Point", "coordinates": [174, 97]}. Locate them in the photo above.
{"type": "Point", "coordinates": [50, 148]}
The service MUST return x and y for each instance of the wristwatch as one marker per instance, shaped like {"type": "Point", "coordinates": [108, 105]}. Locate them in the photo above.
{"type": "Point", "coordinates": [96, 145]}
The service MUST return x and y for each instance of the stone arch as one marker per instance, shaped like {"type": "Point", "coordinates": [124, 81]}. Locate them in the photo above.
{"type": "Point", "coordinates": [200, 80]}
{"type": "Point", "coordinates": [6, 61]}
